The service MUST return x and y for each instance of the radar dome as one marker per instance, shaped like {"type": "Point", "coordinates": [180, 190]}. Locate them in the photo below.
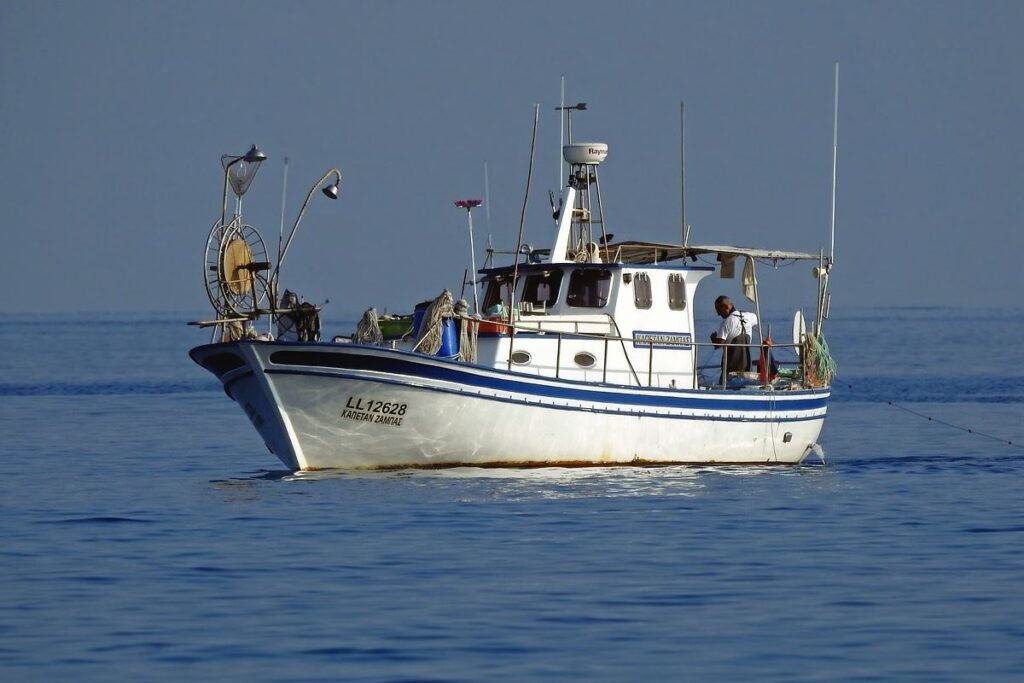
{"type": "Point", "coordinates": [591, 153]}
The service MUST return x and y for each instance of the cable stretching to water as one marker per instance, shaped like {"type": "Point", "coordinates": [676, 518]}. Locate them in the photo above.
{"type": "Point", "coordinates": [969, 430]}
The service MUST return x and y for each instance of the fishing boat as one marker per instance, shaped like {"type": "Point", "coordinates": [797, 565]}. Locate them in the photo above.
{"type": "Point", "coordinates": [584, 353]}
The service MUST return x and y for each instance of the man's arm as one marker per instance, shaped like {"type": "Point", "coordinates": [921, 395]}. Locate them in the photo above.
{"type": "Point", "coordinates": [719, 336]}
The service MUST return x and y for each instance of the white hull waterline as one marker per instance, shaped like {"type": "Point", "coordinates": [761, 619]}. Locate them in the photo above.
{"type": "Point", "coordinates": [349, 406]}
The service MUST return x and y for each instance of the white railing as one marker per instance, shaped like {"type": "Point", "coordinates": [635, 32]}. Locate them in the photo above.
{"type": "Point", "coordinates": [790, 365]}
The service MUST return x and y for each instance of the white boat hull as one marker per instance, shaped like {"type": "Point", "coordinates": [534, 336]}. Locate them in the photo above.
{"type": "Point", "coordinates": [321, 406]}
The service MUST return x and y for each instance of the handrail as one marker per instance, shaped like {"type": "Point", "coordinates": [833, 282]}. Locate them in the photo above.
{"type": "Point", "coordinates": [622, 340]}
{"type": "Point", "coordinates": [625, 352]}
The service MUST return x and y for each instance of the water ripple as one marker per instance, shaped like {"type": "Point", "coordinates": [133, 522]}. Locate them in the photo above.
{"type": "Point", "coordinates": [97, 520]}
{"type": "Point", "coordinates": [106, 388]}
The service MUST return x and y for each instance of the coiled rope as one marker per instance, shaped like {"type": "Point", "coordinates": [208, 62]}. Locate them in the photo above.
{"type": "Point", "coordinates": [468, 330]}
{"type": "Point", "coordinates": [428, 338]}
{"type": "Point", "coordinates": [368, 329]}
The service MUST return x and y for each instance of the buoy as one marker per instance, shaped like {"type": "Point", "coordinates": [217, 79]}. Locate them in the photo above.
{"type": "Point", "coordinates": [767, 370]}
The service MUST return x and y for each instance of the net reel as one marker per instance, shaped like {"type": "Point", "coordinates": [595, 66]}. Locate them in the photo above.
{"type": "Point", "coordinates": [235, 262]}
{"type": "Point", "coordinates": [235, 269]}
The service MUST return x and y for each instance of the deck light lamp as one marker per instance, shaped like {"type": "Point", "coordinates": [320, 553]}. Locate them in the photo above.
{"type": "Point", "coordinates": [330, 191]}
{"type": "Point", "coordinates": [241, 180]}
{"type": "Point", "coordinates": [469, 205]}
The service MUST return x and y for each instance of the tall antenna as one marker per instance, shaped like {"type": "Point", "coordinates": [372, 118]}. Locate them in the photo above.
{"type": "Point", "coordinates": [825, 265]}
{"type": "Point", "coordinates": [519, 242]}
{"type": "Point", "coordinates": [280, 232]}
{"type": "Point", "coordinates": [489, 261]}
{"type": "Point", "coordinates": [526, 195]}
{"type": "Point", "coordinates": [487, 203]}
{"type": "Point", "coordinates": [561, 139]}
{"type": "Point", "coordinates": [682, 167]}
{"type": "Point", "coordinates": [835, 155]}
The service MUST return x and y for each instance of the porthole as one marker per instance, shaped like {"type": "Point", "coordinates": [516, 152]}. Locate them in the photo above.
{"type": "Point", "coordinates": [585, 360]}
{"type": "Point", "coordinates": [521, 357]}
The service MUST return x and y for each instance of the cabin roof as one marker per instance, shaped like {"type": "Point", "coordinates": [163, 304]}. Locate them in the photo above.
{"type": "Point", "coordinates": [654, 252]}
{"type": "Point", "coordinates": [649, 253]}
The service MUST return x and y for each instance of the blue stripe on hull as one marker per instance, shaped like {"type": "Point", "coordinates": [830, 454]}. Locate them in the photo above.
{"type": "Point", "coordinates": [716, 406]}
{"type": "Point", "coordinates": [414, 366]}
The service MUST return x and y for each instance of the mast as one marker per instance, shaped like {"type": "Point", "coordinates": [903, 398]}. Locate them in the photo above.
{"type": "Point", "coordinates": [576, 224]}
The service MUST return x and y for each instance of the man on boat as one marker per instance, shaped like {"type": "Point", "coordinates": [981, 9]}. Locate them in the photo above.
{"type": "Point", "coordinates": [736, 328]}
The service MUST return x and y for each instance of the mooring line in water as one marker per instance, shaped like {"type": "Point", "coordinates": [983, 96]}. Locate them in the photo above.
{"type": "Point", "coordinates": [969, 430]}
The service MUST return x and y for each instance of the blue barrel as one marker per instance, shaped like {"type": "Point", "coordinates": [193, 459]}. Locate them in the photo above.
{"type": "Point", "coordinates": [449, 338]}
{"type": "Point", "coordinates": [417, 316]}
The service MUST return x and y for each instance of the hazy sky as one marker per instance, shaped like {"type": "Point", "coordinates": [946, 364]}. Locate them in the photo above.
{"type": "Point", "coordinates": [114, 116]}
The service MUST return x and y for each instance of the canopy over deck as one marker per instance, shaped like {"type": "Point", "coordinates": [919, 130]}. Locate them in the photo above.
{"type": "Point", "coordinates": [641, 253]}
{"type": "Point", "coordinates": [653, 252]}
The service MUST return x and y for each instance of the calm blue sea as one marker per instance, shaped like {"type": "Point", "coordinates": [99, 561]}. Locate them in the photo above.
{"type": "Point", "coordinates": [146, 534]}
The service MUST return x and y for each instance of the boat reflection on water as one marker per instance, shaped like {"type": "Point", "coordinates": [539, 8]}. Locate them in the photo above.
{"type": "Point", "coordinates": [472, 484]}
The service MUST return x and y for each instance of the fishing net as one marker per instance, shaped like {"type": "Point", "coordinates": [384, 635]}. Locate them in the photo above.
{"type": "Point", "coordinates": [819, 367]}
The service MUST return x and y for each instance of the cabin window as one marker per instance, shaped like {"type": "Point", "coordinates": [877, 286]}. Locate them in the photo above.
{"type": "Point", "coordinates": [541, 289]}
{"type": "Point", "coordinates": [676, 292]}
{"type": "Point", "coordinates": [498, 296]}
{"type": "Point", "coordinates": [642, 290]}
{"type": "Point", "coordinates": [589, 288]}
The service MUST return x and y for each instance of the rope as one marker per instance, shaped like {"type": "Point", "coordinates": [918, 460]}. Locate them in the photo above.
{"type": "Point", "coordinates": [468, 329]}
{"type": "Point", "coordinates": [307, 322]}
{"type": "Point", "coordinates": [969, 430]}
{"type": "Point", "coordinates": [949, 424]}
{"type": "Point", "coordinates": [428, 340]}
{"type": "Point", "coordinates": [368, 329]}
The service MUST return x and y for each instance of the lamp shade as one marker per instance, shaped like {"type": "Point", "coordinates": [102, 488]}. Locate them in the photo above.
{"type": "Point", "coordinates": [255, 154]}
